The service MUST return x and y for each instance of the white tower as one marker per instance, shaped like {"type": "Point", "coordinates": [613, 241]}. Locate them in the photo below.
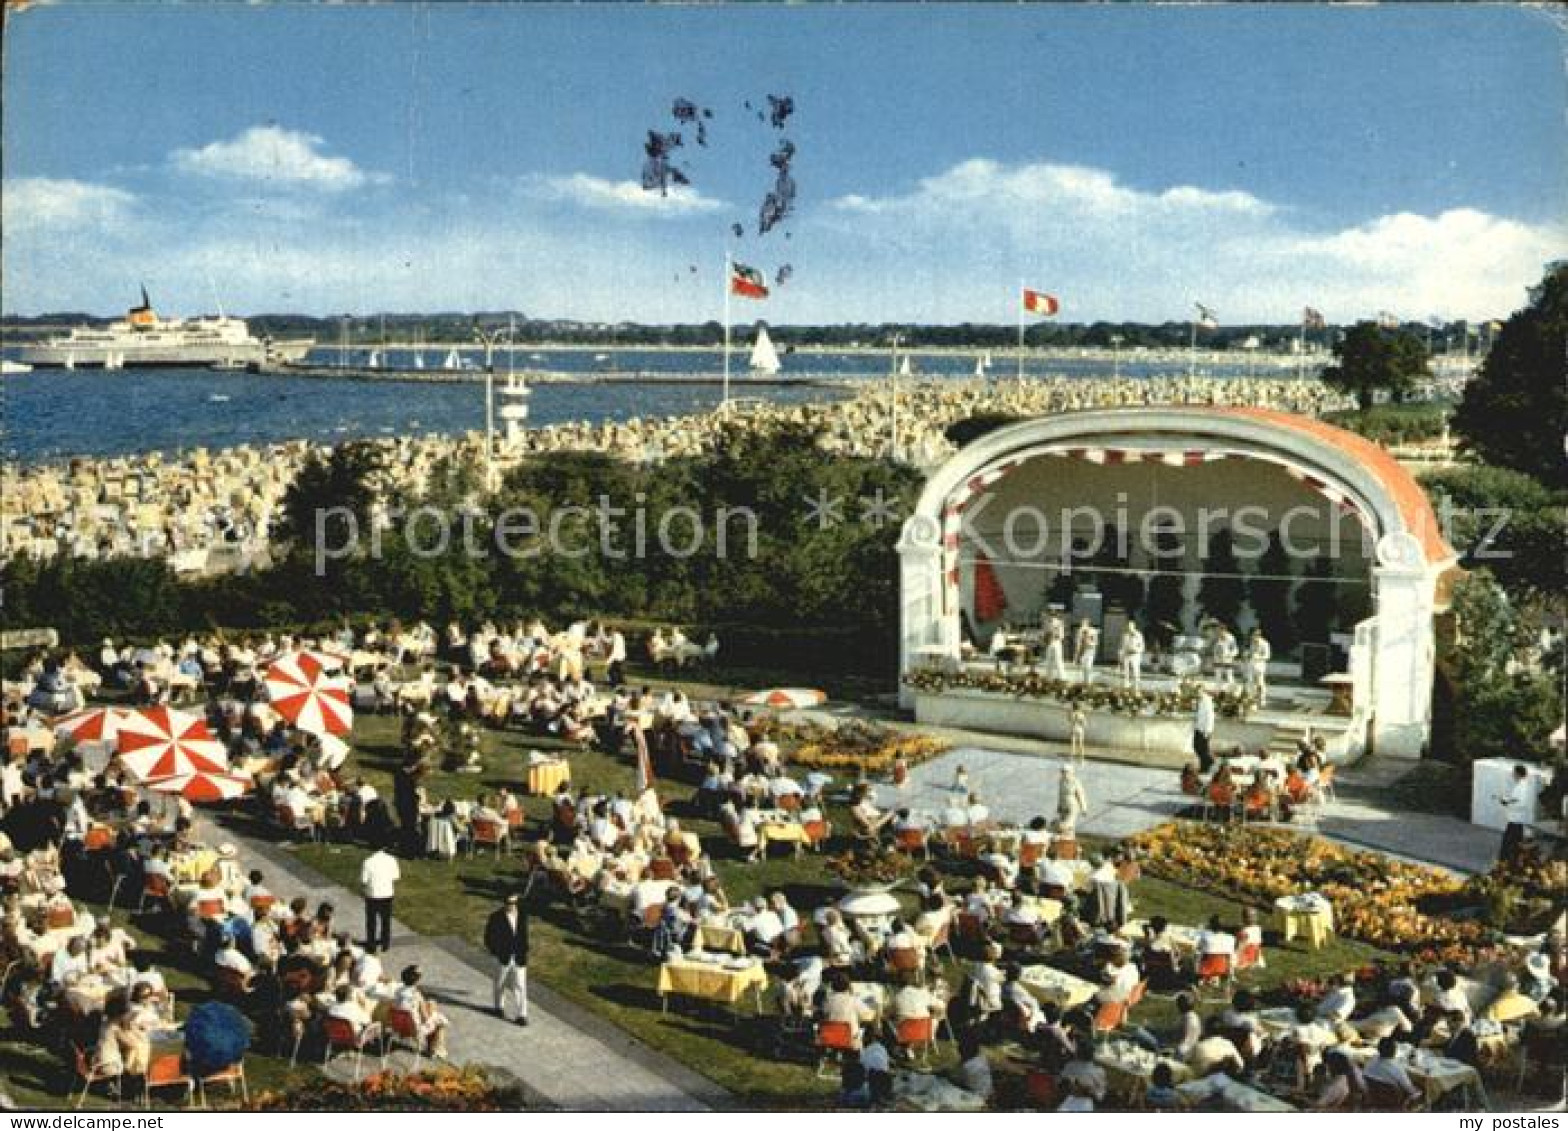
{"type": "Point", "coordinates": [514, 411]}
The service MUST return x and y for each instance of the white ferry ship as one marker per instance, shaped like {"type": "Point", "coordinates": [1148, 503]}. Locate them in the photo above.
{"type": "Point", "coordinates": [142, 338]}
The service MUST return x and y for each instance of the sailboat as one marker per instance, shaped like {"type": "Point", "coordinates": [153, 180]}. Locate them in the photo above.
{"type": "Point", "coordinates": [452, 361]}
{"type": "Point", "coordinates": [905, 369]}
{"type": "Point", "coordinates": [764, 358]}
{"type": "Point", "coordinates": [419, 359]}
{"type": "Point", "coordinates": [374, 360]}
{"type": "Point", "coordinates": [980, 364]}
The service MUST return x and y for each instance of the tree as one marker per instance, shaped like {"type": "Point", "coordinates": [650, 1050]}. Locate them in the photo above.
{"type": "Point", "coordinates": [327, 491]}
{"type": "Point", "coordinates": [1316, 602]}
{"type": "Point", "coordinates": [1515, 411]}
{"type": "Point", "coordinates": [1371, 359]}
{"type": "Point", "coordinates": [1222, 588]}
{"type": "Point", "coordinates": [1269, 594]}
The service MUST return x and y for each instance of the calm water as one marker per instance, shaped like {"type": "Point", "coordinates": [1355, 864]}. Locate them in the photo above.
{"type": "Point", "coordinates": [54, 413]}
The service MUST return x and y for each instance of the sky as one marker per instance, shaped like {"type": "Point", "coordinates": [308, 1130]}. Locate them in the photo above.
{"type": "Point", "coordinates": [1130, 159]}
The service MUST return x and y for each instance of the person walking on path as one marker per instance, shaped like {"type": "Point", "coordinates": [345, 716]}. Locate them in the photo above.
{"type": "Point", "coordinates": [506, 938]}
{"type": "Point", "coordinates": [378, 877]}
{"type": "Point", "coordinates": [1514, 802]}
{"type": "Point", "coordinates": [1203, 730]}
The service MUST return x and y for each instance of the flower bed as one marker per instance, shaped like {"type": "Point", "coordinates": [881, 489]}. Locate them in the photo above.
{"type": "Point", "coordinates": [440, 1089]}
{"type": "Point", "coordinates": [1377, 899]}
{"type": "Point", "coordinates": [1183, 699]}
{"type": "Point", "coordinates": [860, 748]}
{"type": "Point", "coordinates": [1522, 896]}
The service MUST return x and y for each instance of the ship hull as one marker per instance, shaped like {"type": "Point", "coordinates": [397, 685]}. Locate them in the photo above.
{"type": "Point", "coordinates": [161, 355]}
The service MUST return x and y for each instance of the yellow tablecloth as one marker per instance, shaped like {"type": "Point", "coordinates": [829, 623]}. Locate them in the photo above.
{"type": "Point", "coordinates": [781, 834]}
{"type": "Point", "coordinates": [544, 778]}
{"type": "Point", "coordinates": [190, 867]}
{"type": "Point", "coordinates": [1049, 910]}
{"type": "Point", "coordinates": [1314, 924]}
{"type": "Point", "coordinates": [1512, 1006]}
{"type": "Point", "coordinates": [711, 982]}
{"type": "Point", "coordinates": [1050, 984]}
{"type": "Point", "coordinates": [726, 940]}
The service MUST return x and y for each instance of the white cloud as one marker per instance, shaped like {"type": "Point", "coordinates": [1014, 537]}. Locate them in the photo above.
{"type": "Point", "coordinates": [627, 197]}
{"type": "Point", "coordinates": [287, 158]}
{"type": "Point", "coordinates": [47, 202]}
{"type": "Point", "coordinates": [1120, 252]}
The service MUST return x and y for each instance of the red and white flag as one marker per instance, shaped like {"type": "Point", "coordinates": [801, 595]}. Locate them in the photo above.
{"type": "Point", "coordinates": [747, 282]}
{"type": "Point", "coordinates": [1038, 302]}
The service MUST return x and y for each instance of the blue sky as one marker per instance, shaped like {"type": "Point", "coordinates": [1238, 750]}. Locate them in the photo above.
{"type": "Point", "coordinates": [1132, 158]}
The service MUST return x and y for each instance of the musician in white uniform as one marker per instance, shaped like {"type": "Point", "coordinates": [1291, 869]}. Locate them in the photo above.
{"type": "Point", "coordinates": [1085, 644]}
{"type": "Point", "coordinates": [1224, 652]}
{"type": "Point", "coordinates": [1131, 656]}
{"type": "Point", "coordinates": [1259, 652]}
{"type": "Point", "coordinates": [1055, 636]}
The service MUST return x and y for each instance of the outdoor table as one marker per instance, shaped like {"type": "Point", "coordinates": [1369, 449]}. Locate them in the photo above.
{"type": "Point", "coordinates": [441, 838]}
{"type": "Point", "coordinates": [190, 867]}
{"type": "Point", "coordinates": [726, 981]}
{"type": "Point", "coordinates": [1309, 915]}
{"type": "Point", "coordinates": [781, 832]}
{"type": "Point", "coordinates": [872, 996]}
{"type": "Point", "coordinates": [1232, 1095]}
{"type": "Point", "coordinates": [1050, 984]}
{"type": "Point", "coordinates": [1512, 1006]}
{"type": "Point", "coordinates": [545, 777]}
{"type": "Point", "coordinates": [1129, 1067]}
{"type": "Point", "coordinates": [1182, 939]}
{"type": "Point", "coordinates": [1049, 910]}
{"type": "Point", "coordinates": [724, 937]}
{"type": "Point", "coordinates": [1436, 1076]}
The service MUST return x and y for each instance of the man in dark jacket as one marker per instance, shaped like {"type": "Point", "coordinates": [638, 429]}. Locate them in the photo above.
{"type": "Point", "coordinates": [506, 938]}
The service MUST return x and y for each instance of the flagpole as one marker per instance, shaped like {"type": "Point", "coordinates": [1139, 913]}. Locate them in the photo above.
{"type": "Point", "coordinates": [1301, 348]}
{"type": "Point", "coordinates": [1020, 300]}
{"type": "Point", "coordinates": [724, 405]}
{"type": "Point", "coordinates": [1192, 352]}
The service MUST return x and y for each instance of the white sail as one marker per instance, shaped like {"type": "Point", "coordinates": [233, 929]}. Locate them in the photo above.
{"type": "Point", "coordinates": [419, 359]}
{"type": "Point", "coordinates": [452, 361]}
{"type": "Point", "coordinates": [980, 364]}
{"type": "Point", "coordinates": [764, 358]}
{"type": "Point", "coordinates": [905, 369]}
{"type": "Point", "coordinates": [374, 360]}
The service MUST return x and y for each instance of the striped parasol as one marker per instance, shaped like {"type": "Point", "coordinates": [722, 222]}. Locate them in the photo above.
{"type": "Point", "coordinates": [306, 691]}
{"type": "Point", "coordinates": [94, 724]}
{"type": "Point", "coordinates": [203, 785]}
{"type": "Point", "coordinates": [785, 698]}
{"type": "Point", "coordinates": [156, 742]}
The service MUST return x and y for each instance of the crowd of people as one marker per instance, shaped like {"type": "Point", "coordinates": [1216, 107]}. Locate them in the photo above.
{"type": "Point", "coordinates": [1019, 946]}
{"type": "Point", "coordinates": [210, 511]}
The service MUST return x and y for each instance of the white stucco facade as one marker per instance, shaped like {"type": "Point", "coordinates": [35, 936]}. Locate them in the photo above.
{"type": "Point", "coordinates": [1392, 656]}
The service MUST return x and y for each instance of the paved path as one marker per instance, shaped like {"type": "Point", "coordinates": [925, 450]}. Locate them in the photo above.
{"type": "Point", "coordinates": [1125, 799]}
{"type": "Point", "coordinates": [567, 1057]}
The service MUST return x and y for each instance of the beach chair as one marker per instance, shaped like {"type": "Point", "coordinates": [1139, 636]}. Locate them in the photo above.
{"type": "Point", "coordinates": [168, 1071]}
{"type": "Point", "coordinates": [339, 1035]}
{"type": "Point", "coordinates": [233, 1076]}
{"type": "Point", "coordinates": [486, 834]}
{"type": "Point", "coordinates": [912, 841]}
{"type": "Point", "coordinates": [916, 1033]}
{"type": "Point", "coordinates": [157, 889]}
{"type": "Point", "coordinates": [89, 1073]}
{"type": "Point", "coordinates": [403, 1032]}
{"type": "Point", "coordinates": [834, 1039]}
{"type": "Point", "coordinates": [1215, 972]}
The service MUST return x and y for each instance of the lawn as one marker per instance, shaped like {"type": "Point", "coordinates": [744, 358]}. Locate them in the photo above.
{"type": "Point", "coordinates": [611, 979]}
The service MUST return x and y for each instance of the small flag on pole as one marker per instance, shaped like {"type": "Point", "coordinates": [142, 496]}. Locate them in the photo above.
{"type": "Point", "coordinates": [1206, 317]}
{"type": "Point", "coordinates": [1312, 319]}
{"type": "Point", "coordinates": [747, 282]}
{"type": "Point", "coordinates": [1038, 302]}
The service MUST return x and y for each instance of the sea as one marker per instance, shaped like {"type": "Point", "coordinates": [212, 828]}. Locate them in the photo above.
{"type": "Point", "coordinates": [55, 414]}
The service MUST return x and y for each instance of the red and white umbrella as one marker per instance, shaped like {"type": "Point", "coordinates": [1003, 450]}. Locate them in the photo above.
{"type": "Point", "coordinates": [305, 692]}
{"type": "Point", "coordinates": [94, 724]}
{"type": "Point", "coordinates": [156, 742]}
{"type": "Point", "coordinates": [783, 698]}
{"type": "Point", "coordinates": [203, 785]}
